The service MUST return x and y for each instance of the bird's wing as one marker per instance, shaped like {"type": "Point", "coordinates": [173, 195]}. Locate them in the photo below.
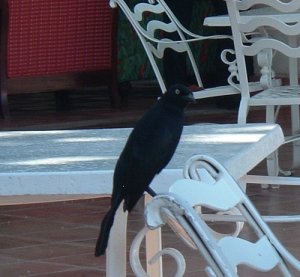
{"type": "Point", "coordinates": [155, 140]}
{"type": "Point", "coordinates": [148, 150]}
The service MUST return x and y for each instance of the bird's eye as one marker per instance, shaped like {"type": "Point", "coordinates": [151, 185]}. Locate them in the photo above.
{"type": "Point", "coordinates": [177, 91]}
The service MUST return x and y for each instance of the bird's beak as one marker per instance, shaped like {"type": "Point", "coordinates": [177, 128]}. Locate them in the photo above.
{"type": "Point", "coordinates": [190, 98]}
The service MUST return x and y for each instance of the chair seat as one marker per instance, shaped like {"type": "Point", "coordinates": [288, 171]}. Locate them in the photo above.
{"type": "Point", "coordinates": [224, 90]}
{"type": "Point", "coordinates": [282, 95]}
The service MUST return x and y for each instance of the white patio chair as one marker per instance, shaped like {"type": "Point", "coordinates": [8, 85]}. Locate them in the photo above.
{"type": "Point", "coordinates": [265, 46]}
{"type": "Point", "coordinates": [149, 32]}
{"type": "Point", "coordinates": [218, 191]}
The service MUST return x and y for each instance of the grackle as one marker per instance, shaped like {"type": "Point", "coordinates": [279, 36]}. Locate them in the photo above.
{"type": "Point", "coordinates": [149, 149]}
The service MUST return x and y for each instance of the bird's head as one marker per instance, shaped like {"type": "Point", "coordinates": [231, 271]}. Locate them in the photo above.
{"type": "Point", "coordinates": [179, 95]}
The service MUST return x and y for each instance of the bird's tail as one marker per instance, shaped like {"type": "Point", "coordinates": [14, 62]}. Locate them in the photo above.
{"type": "Point", "coordinates": [106, 225]}
{"type": "Point", "coordinates": [108, 221]}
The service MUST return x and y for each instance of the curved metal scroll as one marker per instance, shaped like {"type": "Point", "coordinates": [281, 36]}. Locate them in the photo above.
{"type": "Point", "coordinates": [135, 261]}
{"type": "Point", "coordinates": [170, 207]}
{"type": "Point", "coordinates": [192, 170]}
{"type": "Point", "coordinates": [233, 77]}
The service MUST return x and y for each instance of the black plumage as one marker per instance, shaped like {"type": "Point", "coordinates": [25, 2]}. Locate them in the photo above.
{"type": "Point", "coordinates": [148, 150]}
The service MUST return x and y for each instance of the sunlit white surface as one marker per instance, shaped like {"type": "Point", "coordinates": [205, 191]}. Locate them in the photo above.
{"type": "Point", "coordinates": [82, 161]}
{"type": "Point", "coordinates": [223, 20]}
{"type": "Point", "coordinates": [61, 160]}
{"type": "Point", "coordinates": [86, 139]}
{"type": "Point", "coordinates": [223, 138]}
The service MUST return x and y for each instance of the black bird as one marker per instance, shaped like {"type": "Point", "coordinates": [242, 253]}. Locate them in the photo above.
{"type": "Point", "coordinates": [149, 149]}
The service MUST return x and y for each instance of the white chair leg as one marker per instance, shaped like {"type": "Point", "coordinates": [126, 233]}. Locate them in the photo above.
{"type": "Point", "coordinates": [272, 160]}
{"type": "Point", "coordinates": [153, 246]}
{"type": "Point", "coordinates": [295, 121]}
{"type": "Point", "coordinates": [243, 111]}
{"type": "Point", "coordinates": [272, 168]}
{"type": "Point", "coordinates": [295, 130]}
{"type": "Point", "coordinates": [116, 249]}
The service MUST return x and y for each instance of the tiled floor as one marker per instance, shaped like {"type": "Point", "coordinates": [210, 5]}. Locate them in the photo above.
{"type": "Point", "coordinates": [91, 109]}
{"type": "Point", "coordinates": [58, 239]}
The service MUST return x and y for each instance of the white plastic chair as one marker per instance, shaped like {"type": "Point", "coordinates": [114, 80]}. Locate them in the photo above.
{"type": "Point", "coordinates": [264, 47]}
{"type": "Point", "coordinates": [218, 191]}
{"type": "Point", "coordinates": [154, 45]}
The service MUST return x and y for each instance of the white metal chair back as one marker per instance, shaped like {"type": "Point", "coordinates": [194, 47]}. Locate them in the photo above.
{"type": "Point", "coordinates": [217, 190]}
{"type": "Point", "coordinates": [150, 33]}
{"type": "Point", "coordinates": [150, 30]}
{"type": "Point", "coordinates": [265, 46]}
